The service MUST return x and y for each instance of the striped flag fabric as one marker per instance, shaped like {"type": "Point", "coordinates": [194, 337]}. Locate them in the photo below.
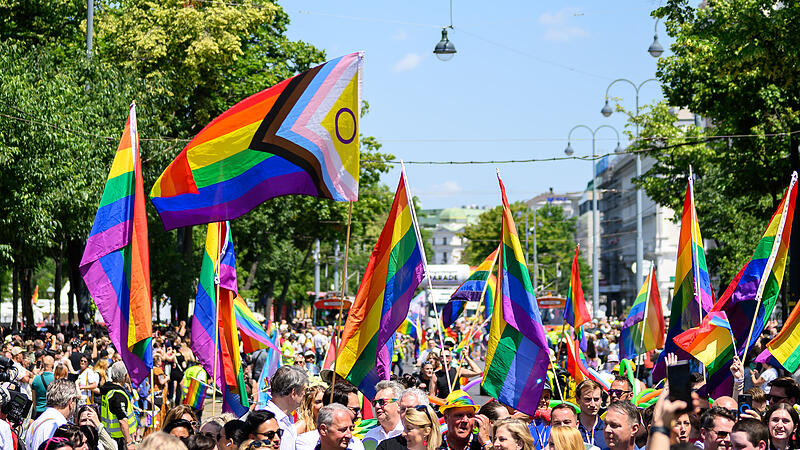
{"type": "Point", "coordinates": [517, 355]}
{"type": "Point", "coordinates": [575, 312]}
{"type": "Point", "coordinates": [254, 337]}
{"type": "Point", "coordinates": [577, 367]}
{"type": "Point", "coordinates": [196, 394]}
{"type": "Point", "coordinates": [408, 328]}
{"type": "Point", "coordinates": [643, 329]}
{"type": "Point", "coordinates": [692, 285]}
{"type": "Point", "coordinates": [471, 290]}
{"type": "Point", "coordinates": [395, 269]}
{"type": "Point", "coordinates": [214, 319]}
{"type": "Point", "coordinates": [784, 348]}
{"type": "Point", "coordinates": [116, 261]}
{"type": "Point", "coordinates": [751, 296]}
{"type": "Point", "coordinates": [297, 137]}
{"type": "Point", "coordinates": [708, 341]}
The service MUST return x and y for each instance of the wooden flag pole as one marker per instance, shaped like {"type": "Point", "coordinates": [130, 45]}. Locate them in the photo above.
{"type": "Point", "coordinates": [337, 332]}
{"type": "Point", "coordinates": [216, 320]}
{"type": "Point", "coordinates": [475, 317]}
{"type": "Point", "coordinates": [424, 263]}
{"type": "Point", "coordinates": [770, 262]}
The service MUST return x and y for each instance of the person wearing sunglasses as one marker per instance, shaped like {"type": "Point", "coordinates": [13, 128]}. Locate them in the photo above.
{"type": "Point", "coordinates": [421, 428]}
{"type": "Point", "coordinates": [621, 390]}
{"type": "Point", "coordinates": [387, 412]}
{"type": "Point", "coordinates": [715, 428]}
{"type": "Point", "coordinates": [264, 426]}
{"type": "Point", "coordinates": [783, 390]}
{"type": "Point", "coordinates": [62, 402]}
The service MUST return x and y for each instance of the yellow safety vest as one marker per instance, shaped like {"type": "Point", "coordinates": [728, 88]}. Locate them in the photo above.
{"type": "Point", "coordinates": [110, 421]}
{"type": "Point", "coordinates": [197, 372]}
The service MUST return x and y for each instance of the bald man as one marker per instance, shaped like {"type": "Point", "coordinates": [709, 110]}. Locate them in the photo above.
{"type": "Point", "coordinates": [40, 383]}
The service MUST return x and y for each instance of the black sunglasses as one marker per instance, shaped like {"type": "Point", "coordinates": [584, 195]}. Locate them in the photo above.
{"type": "Point", "coordinates": [271, 434]}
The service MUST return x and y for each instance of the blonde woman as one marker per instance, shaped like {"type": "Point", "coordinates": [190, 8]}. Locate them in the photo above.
{"type": "Point", "coordinates": [309, 408]}
{"type": "Point", "coordinates": [421, 428]}
{"type": "Point", "coordinates": [513, 434]}
{"type": "Point", "coordinates": [565, 438]}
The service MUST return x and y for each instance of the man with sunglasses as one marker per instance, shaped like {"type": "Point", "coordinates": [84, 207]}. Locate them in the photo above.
{"type": "Point", "coordinates": [621, 390]}
{"type": "Point", "coordinates": [264, 427]}
{"type": "Point", "coordinates": [783, 390]}
{"type": "Point", "coordinates": [387, 412]}
{"type": "Point", "coordinates": [715, 428]}
{"type": "Point", "coordinates": [411, 398]}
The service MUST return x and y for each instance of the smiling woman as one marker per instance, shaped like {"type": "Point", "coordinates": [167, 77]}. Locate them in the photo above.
{"type": "Point", "coordinates": [781, 419]}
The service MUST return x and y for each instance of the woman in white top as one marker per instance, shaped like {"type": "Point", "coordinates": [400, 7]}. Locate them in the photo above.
{"type": "Point", "coordinates": [768, 374]}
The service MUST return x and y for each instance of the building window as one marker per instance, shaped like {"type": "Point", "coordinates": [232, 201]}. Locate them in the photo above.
{"type": "Point", "coordinates": [444, 242]}
{"type": "Point", "coordinates": [444, 258]}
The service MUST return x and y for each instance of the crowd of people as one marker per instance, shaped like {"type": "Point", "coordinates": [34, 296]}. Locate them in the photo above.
{"type": "Point", "coordinates": [81, 397]}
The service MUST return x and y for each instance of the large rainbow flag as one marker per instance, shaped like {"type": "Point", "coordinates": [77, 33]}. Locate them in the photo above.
{"type": "Point", "coordinates": [643, 329]}
{"type": "Point", "coordinates": [116, 261]}
{"type": "Point", "coordinates": [758, 283]}
{"type": "Point", "coordinates": [517, 356]}
{"type": "Point", "coordinates": [471, 290]}
{"type": "Point", "coordinates": [692, 284]}
{"type": "Point", "coordinates": [393, 272]}
{"type": "Point", "coordinates": [214, 318]}
{"type": "Point", "coordinates": [297, 137]}
{"type": "Point", "coordinates": [575, 312]}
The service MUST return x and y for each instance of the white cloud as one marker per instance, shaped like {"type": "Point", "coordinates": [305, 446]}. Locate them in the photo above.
{"type": "Point", "coordinates": [408, 62]}
{"type": "Point", "coordinates": [557, 26]}
{"type": "Point", "coordinates": [401, 35]}
{"type": "Point", "coordinates": [447, 188]}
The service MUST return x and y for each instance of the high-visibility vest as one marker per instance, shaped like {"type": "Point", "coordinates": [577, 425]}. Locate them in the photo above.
{"type": "Point", "coordinates": [110, 421]}
{"type": "Point", "coordinates": [197, 372]}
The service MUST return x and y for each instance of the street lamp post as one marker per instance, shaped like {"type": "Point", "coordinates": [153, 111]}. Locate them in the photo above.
{"type": "Point", "coordinates": [595, 220]}
{"type": "Point", "coordinates": [607, 111]}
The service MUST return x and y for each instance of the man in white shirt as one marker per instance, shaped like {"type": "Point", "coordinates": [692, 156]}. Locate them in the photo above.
{"type": "Point", "coordinates": [344, 394]}
{"type": "Point", "coordinates": [387, 412]}
{"type": "Point", "coordinates": [62, 402]}
{"type": "Point", "coordinates": [287, 388]}
{"type": "Point", "coordinates": [23, 377]}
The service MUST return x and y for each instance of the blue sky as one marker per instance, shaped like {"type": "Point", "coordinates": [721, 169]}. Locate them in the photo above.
{"type": "Point", "coordinates": [525, 73]}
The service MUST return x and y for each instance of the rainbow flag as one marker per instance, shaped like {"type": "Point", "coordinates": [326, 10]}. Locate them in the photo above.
{"type": "Point", "coordinates": [393, 272]}
{"type": "Point", "coordinates": [196, 395]}
{"type": "Point", "coordinates": [517, 356]}
{"type": "Point", "coordinates": [35, 296]}
{"type": "Point", "coordinates": [408, 328]}
{"type": "Point", "coordinates": [692, 284]}
{"type": "Point", "coordinates": [760, 279]}
{"type": "Point", "coordinates": [297, 137]}
{"type": "Point", "coordinates": [116, 262]}
{"type": "Point", "coordinates": [577, 367]}
{"type": "Point", "coordinates": [471, 290]}
{"type": "Point", "coordinates": [575, 311]}
{"type": "Point", "coordinates": [214, 319]}
{"type": "Point", "coordinates": [709, 340]}
{"type": "Point", "coordinates": [254, 337]}
{"type": "Point", "coordinates": [784, 349]}
{"type": "Point", "coordinates": [643, 329]}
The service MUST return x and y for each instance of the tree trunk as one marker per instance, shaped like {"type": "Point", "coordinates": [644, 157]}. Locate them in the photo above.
{"type": "Point", "coordinates": [287, 280]}
{"type": "Point", "coordinates": [179, 302]}
{"type": "Point", "coordinates": [15, 297]}
{"type": "Point", "coordinates": [251, 276]}
{"type": "Point", "coordinates": [26, 294]}
{"type": "Point", "coordinates": [57, 286]}
{"type": "Point", "coordinates": [77, 286]}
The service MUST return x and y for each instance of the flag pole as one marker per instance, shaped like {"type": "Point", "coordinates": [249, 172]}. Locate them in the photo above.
{"type": "Point", "coordinates": [424, 263]}
{"type": "Point", "coordinates": [770, 262]}
{"type": "Point", "coordinates": [475, 317]}
{"type": "Point", "coordinates": [216, 320]}
{"type": "Point", "coordinates": [338, 332]}
{"type": "Point", "coordinates": [643, 323]}
{"type": "Point", "coordinates": [695, 262]}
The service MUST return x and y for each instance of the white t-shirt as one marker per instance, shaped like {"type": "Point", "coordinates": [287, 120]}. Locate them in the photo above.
{"type": "Point", "coordinates": [6, 439]}
{"type": "Point", "coordinates": [87, 377]}
{"type": "Point", "coordinates": [768, 375]}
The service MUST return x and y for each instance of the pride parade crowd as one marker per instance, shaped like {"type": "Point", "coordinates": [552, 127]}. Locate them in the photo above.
{"type": "Point", "coordinates": [83, 399]}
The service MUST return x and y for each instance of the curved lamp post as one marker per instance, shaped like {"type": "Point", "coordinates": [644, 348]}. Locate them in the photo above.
{"type": "Point", "coordinates": [607, 111]}
{"type": "Point", "coordinates": [655, 49]}
{"type": "Point", "coordinates": [595, 253]}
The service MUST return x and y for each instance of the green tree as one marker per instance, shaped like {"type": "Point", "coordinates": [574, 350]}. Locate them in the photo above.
{"type": "Point", "coordinates": [555, 243]}
{"type": "Point", "coordinates": [734, 64]}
